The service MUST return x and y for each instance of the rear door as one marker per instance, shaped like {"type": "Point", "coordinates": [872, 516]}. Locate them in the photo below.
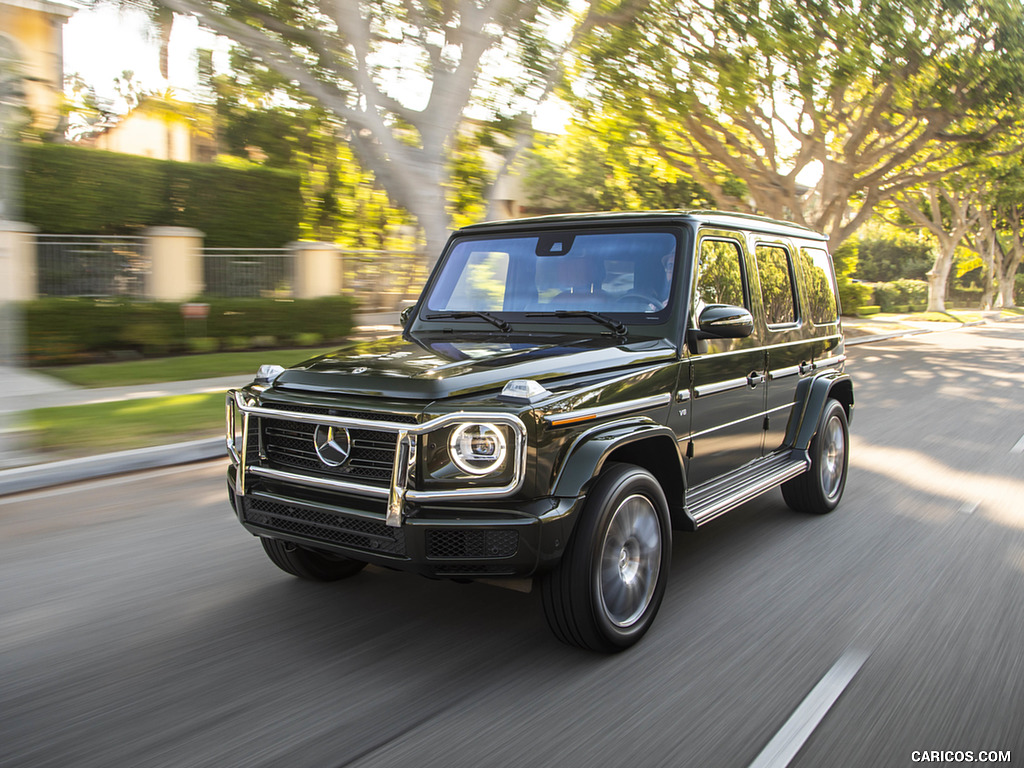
{"type": "Point", "coordinates": [800, 323]}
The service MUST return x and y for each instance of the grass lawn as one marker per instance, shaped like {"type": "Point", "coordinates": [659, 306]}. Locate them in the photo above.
{"type": "Point", "coordinates": [82, 430]}
{"type": "Point", "coordinates": [181, 368]}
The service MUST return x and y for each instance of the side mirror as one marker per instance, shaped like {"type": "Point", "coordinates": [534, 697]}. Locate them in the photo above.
{"type": "Point", "coordinates": [723, 321]}
{"type": "Point", "coordinates": [404, 315]}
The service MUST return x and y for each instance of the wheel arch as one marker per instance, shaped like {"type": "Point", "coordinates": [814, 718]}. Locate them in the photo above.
{"type": "Point", "coordinates": [649, 446]}
{"type": "Point", "coordinates": [811, 397]}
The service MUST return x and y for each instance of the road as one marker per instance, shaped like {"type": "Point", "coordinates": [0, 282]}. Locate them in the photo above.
{"type": "Point", "coordinates": [140, 625]}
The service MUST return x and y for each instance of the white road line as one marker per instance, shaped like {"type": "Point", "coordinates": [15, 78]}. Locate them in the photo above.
{"type": "Point", "coordinates": [1019, 447]}
{"type": "Point", "coordinates": [801, 724]}
{"type": "Point", "coordinates": [969, 507]}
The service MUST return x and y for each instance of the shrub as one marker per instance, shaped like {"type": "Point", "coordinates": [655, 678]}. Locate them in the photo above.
{"type": "Point", "coordinates": [866, 310]}
{"type": "Point", "coordinates": [202, 344]}
{"type": "Point", "coordinates": [74, 190]}
{"type": "Point", "coordinates": [75, 330]}
{"type": "Point", "coordinates": [852, 296]}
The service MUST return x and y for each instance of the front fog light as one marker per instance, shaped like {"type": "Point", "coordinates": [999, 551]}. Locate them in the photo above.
{"type": "Point", "coordinates": [477, 448]}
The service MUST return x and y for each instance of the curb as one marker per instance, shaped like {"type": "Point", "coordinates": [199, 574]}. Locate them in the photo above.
{"type": "Point", "coordinates": [38, 476]}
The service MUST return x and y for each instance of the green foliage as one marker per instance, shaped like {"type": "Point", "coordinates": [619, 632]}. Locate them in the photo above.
{"type": "Point", "coordinates": [1018, 289]}
{"type": "Point", "coordinates": [868, 309]}
{"type": "Point", "coordinates": [901, 293]}
{"type": "Point", "coordinates": [846, 258]}
{"type": "Point", "coordinates": [76, 330]}
{"type": "Point", "coordinates": [883, 260]}
{"type": "Point", "coordinates": [873, 92]}
{"type": "Point", "coordinates": [853, 296]}
{"type": "Point", "coordinates": [603, 166]}
{"type": "Point", "coordinates": [73, 190]}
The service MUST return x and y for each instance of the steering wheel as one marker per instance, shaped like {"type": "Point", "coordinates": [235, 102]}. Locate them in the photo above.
{"type": "Point", "coordinates": [636, 297]}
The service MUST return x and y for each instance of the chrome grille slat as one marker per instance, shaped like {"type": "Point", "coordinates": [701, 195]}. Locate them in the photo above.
{"type": "Point", "coordinates": [289, 445]}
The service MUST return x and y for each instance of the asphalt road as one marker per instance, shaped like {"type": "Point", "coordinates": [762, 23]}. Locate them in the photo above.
{"type": "Point", "coordinates": [141, 626]}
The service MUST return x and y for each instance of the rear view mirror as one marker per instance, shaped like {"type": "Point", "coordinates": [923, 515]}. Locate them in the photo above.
{"type": "Point", "coordinates": [723, 321]}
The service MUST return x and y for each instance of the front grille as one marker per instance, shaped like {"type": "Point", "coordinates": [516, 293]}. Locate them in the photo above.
{"type": "Point", "coordinates": [445, 544]}
{"type": "Point", "coordinates": [289, 445]}
{"type": "Point", "coordinates": [320, 525]}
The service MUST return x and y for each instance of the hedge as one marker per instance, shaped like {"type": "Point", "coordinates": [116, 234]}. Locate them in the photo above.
{"type": "Point", "coordinates": [853, 296]}
{"type": "Point", "coordinates": [60, 331]}
{"type": "Point", "coordinates": [866, 310]}
{"type": "Point", "coordinates": [79, 191]}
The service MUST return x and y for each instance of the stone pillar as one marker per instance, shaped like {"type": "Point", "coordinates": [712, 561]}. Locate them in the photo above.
{"type": "Point", "coordinates": [317, 270]}
{"type": "Point", "coordinates": [18, 278]}
{"type": "Point", "coordinates": [175, 263]}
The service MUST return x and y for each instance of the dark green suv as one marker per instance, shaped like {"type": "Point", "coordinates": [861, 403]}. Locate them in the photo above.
{"type": "Point", "coordinates": [568, 391]}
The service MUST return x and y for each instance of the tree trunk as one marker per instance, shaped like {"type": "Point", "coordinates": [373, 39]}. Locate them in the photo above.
{"type": "Point", "coordinates": [938, 279]}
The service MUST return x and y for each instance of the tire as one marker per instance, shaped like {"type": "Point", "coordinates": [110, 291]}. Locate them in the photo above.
{"type": "Point", "coordinates": [606, 591]}
{"type": "Point", "coordinates": [818, 490]}
{"type": "Point", "coordinates": [308, 564]}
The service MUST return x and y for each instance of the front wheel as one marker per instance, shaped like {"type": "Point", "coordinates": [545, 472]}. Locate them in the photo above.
{"type": "Point", "coordinates": [309, 564]}
{"type": "Point", "coordinates": [819, 489]}
{"type": "Point", "coordinates": [607, 589]}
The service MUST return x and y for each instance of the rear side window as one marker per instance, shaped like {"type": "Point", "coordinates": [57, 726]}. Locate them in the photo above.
{"type": "Point", "coordinates": [821, 294]}
{"type": "Point", "coordinates": [776, 276]}
{"type": "Point", "coordinates": [720, 274]}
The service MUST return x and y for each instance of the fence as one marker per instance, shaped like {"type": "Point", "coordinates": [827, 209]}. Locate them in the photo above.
{"type": "Point", "coordinates": [91, 265]}
{"type": "Point", "coordinates": [170, 264]}
{"type": "Point", "coordinates": [249, 273]}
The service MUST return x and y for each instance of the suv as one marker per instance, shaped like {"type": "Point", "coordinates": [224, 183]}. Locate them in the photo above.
{"type": "Point", "coordinates": [567, 391]}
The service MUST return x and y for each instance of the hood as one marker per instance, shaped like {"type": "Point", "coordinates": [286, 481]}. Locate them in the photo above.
{"type": "Point", "coordinates": [436, 368]}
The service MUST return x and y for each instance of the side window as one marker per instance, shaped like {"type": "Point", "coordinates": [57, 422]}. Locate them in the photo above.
{"type": "Point", "coordinates": [720, 274]}
{"type": "Point", "coordinates": [776, 275]}
{"type": "Point", "coordinates": [821, 295]}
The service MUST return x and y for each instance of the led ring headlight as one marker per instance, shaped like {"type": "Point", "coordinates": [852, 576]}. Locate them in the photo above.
{"type": "Point", "coordinates": [477, 448]}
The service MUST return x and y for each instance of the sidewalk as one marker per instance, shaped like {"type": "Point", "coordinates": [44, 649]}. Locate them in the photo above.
{"type": "Point", "coordinates": [23, 389]}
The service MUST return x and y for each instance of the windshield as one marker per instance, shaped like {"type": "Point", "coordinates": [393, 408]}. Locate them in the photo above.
{"type": "Point", "coordinates": [599, 272]}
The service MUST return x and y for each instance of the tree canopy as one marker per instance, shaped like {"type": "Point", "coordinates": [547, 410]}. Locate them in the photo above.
{"type": "Point", "coordinates": [824, 108]}
{"type": "Point", "coordinates": [400, 75]}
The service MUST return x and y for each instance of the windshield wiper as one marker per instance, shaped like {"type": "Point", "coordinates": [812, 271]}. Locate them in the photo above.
{"type": "Point", "coordinates": [608, 322]}
{"type": "Point", "coordinates": [497, 322]}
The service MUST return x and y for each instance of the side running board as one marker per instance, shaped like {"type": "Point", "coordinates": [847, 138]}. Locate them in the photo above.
{"type": "Point", "coordinates": [708, 500]}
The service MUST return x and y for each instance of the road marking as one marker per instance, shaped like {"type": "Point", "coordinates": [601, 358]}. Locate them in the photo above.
{"type": "Point", "coordinates": [801, 724]}
{"type": "Point", "coordinates": [1019, 447]}
{"type": "Point", "coordinates": [969, 507]}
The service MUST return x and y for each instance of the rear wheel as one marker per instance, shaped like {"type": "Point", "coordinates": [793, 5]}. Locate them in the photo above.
{"type": "Point", "coordinates": [309, 564]}
{"type": "Point", "coordinates": [819, 489]}
{"type": "Point", "coordinates": [607, 589]}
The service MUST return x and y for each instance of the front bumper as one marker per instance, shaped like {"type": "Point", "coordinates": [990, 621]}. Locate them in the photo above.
{"type": "Point", "coordinates": [450, 540]}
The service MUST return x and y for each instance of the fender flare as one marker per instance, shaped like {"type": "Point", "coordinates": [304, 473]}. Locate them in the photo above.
{"type": "Point", "coordinates": [589, 451]}
{"type": "Point", "coordinates": [811, 396]}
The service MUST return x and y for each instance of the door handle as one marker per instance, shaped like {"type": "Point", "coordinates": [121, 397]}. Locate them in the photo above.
{"type": "Point", "coordinates": [754, 378]}
{"type": "Point", "coordinates": [806, 367]}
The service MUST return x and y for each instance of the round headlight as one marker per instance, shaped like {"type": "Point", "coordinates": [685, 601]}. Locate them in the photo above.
{"type": "Point", "coordinates": [477, 448]}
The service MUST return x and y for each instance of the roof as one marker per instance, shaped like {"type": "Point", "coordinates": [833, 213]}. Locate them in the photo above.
{"type": "Point", "coordinates": [724, 219]}
{"type": "Point", "coordinates": [43, 6]}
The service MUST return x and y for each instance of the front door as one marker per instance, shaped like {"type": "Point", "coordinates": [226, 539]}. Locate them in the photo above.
{"type": "Point", "coordinates": [727, 376]}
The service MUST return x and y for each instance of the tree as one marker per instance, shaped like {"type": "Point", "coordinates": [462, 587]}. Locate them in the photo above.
{"type": "Point", "coordinates": [1000, 241]}
{"type": "Point", "coordinates": [854, 100]}
{"type": "Point", "coordinates": [604, 165]}
{"type": "Point", "coordinates": [947, 212]}
{"type": "Point", "coordinates": [401, 74]}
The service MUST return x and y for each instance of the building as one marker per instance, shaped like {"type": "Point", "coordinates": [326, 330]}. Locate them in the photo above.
{"type": "Point", "coordinates": [34, 31]}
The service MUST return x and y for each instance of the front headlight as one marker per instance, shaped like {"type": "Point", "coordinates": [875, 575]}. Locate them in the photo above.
{"type": "Point", "coordinates": [477, 449]}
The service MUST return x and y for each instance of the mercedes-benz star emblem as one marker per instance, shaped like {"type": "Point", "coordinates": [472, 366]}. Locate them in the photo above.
{"type": "Point", "coordinates": [333, 445]}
